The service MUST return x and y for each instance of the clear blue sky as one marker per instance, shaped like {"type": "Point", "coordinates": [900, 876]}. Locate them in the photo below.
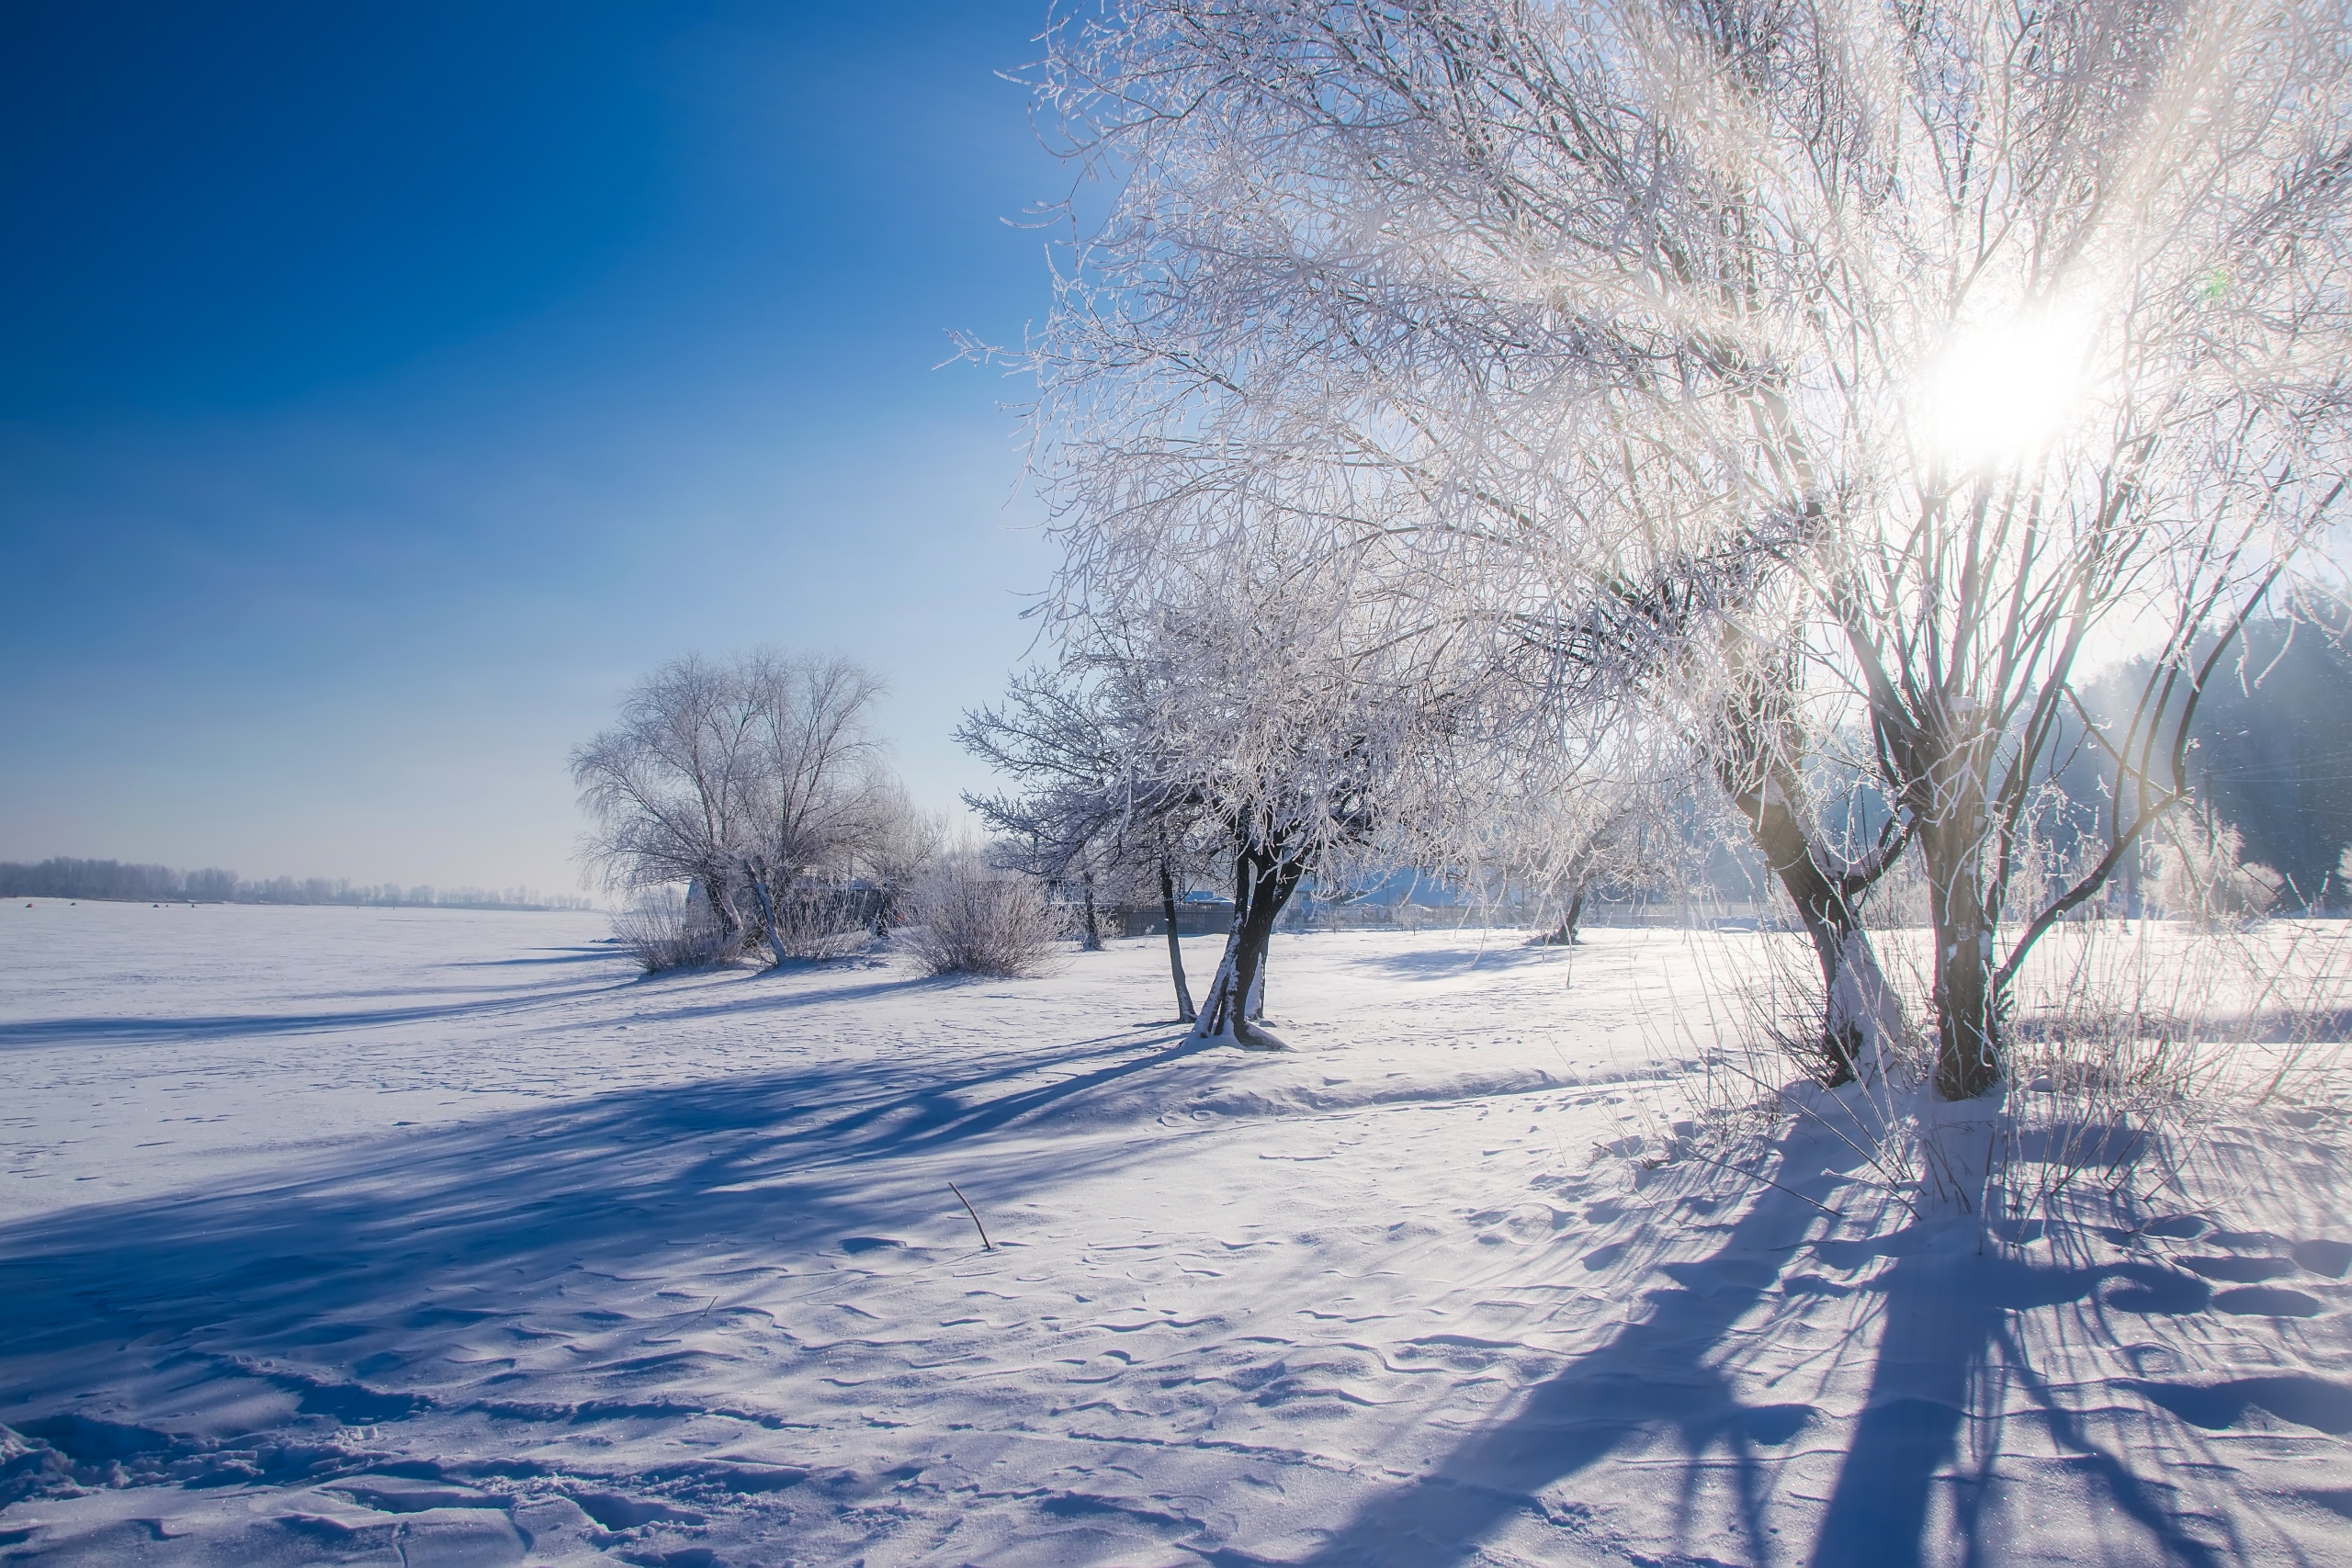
{"type": "Point", "coordinates": [384, 387]}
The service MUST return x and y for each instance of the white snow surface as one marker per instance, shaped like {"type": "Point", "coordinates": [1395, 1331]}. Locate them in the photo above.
{"type": "Point", "coordinates": [425, 1236]}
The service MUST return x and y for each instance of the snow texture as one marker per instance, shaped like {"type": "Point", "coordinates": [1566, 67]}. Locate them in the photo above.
{"type": "Point", "coordinates": [417, 1237]}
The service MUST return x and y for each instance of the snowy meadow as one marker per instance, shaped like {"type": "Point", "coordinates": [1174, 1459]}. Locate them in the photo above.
{"type": "Point", "coordinates": [1878, 468]}
{"type": "Point", "coordinates": [424, 1236]}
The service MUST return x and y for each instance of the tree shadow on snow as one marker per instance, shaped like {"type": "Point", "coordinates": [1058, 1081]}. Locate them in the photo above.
{"type": "Point", "coordinates": [1918, 1463]}
{"type": "Point", "coordinates": [584, 954]}
{"type": "Point", "coordinates": [739, 999]}
{"type": "Point", "coordinates": [121, 1030]}
{"type": "Point", "coordinates": [1507, 952]}
{"type": "Point", "coordinates": [356, 1253]}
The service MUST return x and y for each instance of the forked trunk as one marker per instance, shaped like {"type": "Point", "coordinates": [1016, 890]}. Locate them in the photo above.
{"type": "Point", "coordinates": [1175, 949]}
{"type": "Point", "coordinates": [1277, 879]}
{"type": "Point", "coordinates": [1092, 940]}
{"type": "Point", "coordinates": [1263, 882]}
{"type": "Point", "coordinates": [1859, 1010]}
{"type": "Point", "coordinates": [1212, 1020]}
{"type": "Point", "coordinates": [1753, 738]}
{"type": "Point", "coordinates": [765, 903]}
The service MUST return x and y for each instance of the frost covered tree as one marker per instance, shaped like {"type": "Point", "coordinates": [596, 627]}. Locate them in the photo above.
{"type": "Point", "coordinates": [1546, 848]}
{"type": "Point", "coordinates": [669, 790]}
{"type": "Point", "coordinates": [1299, 718]}
{"type": "Point", "coordinates": [904, 843]}
{"type": "Point", "coordinates": [817, 796]}
{"type": "Point", "coordinates": [1098, 796]}
{"type": "Point", "coordinates": [746, 778]}
{"type": "Point", "coordinates": [1875, 365]}
{"type": "Point", "coordinates": [1058, 734]}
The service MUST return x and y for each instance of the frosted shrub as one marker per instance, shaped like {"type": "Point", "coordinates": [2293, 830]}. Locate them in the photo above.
{"type": "Point", "coordinates": [2202, 875]}
{"type": "Point", "coordinates": [820, 923]}
{"type": "Point", "coordinates": [2130, 1043]}
{"type": "Point", "coordinates": [972, 918]}
{"type": "Point", "coordinates": [663, 930]}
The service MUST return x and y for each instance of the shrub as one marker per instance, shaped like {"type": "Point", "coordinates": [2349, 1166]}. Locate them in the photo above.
{"type": "Point", "coordinates": [821, 922]}
{"type": "Point", "coordinates": [2202, 876]}
{"type": "Point", "coordinates": [973, 918]}
{"type": "Point", "coordinates": [663, 930]}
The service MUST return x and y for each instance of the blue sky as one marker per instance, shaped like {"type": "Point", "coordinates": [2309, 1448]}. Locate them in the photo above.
{"type": "Point", "coordinates": [383, 388]}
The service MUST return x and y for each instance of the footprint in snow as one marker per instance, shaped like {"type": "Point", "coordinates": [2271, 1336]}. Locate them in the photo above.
{"type": "Point", "coordinates": [853, 1244]}
{"type": "Point", "coordinates": [2329, 1257]}
{"type": "Point", "coordinates": [2239, 1270]}
{"type": "Point", "coordinates": [2176, 1228]}
{"type": "Point", "coordinates": [2305, 1400]}
{"type": "Point", "coordinates": [2266, 1301]}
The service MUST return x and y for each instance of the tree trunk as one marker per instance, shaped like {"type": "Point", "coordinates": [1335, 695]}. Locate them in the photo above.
{"type": "Point", "coordinates": [722, 909]}
{"type": "Point", "coordinates": [1185, 1013]}
{"type": "Point", "coordinates": [1859, 1010]}
{"type": "Point", "coordinates": [1275, 878]}
{"type": "Point", "coordinates": [1754, 736]}
{"type": "Point", "coordinates": [1263, 882]}
{"type": "Point", "coordinates": [1278, 880]}
{"type": "Point", "coordinates": [1213, 1017]}
{"type": "Point", "coordinates": [765, 901]}
{"type": "Point", "coordinates": [1092, 940]}
{"type": "Point", "coordinates": [1566, 936]}
{"type": "Point", "coordinates": [1968, 1052]}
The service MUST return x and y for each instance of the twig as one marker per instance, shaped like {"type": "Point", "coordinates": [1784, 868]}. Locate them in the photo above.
{"type": "Point", "coordinates": [1767, 1180]}
{"type": "Point", "coordinates": [985, 1245]}
{"type": "Point", "coordinates": [1889, 1177]}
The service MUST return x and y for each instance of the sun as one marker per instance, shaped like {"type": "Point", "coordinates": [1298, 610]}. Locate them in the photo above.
{"type": "Point", "coordinates": [1998, 395]}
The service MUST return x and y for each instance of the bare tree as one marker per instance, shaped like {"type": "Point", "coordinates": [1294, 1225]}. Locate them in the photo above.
{"type": "Point", "coordinates": [819, 796]}
{"type": "Point", "coordinates": [750, 778]}
{"type": "Point", "coordinates": [1303, 720]}
{"type": "Point", "coordinates": [1099, 797]}
{"type": "Point", "coordinates": [903, 846]}
{"type": "Point", "coordinates": [670, 790]}
{"type": "Point", "coordinates": [1985, 334]}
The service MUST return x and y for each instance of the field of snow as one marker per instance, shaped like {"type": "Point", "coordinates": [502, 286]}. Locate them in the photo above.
{"type": "Point", "coordinates": [421, 1236]}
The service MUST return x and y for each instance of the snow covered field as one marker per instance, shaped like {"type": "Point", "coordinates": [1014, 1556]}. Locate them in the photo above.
{"type": "Point", "coordinates": [421, 1236]}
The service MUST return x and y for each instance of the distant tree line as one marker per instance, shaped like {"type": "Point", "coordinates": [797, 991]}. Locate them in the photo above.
{"type": "Point", "coordinates": [64, 877]}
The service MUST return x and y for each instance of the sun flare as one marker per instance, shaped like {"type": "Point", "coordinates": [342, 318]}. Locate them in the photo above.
{"type": "Point", "coordinates": [1999, 395]}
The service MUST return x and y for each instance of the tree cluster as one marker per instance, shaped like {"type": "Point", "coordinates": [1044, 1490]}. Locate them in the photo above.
{"type": "Point", "coordinates": [1466, 412]}
{"type": "Point", "coordinates": [757, 781]}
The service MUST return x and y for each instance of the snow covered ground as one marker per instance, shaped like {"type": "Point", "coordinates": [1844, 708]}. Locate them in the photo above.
{"type": "Point", "coordinates": [421, 1236]}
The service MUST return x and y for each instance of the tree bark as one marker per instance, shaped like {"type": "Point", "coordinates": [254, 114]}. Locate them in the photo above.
{"type": "Point", "coordinates": [1264, 881]}
{"type": "Point", "coordinates": [1968, 1047]}
{"type": "Point", "coordinates": [765, 901]}
{"type": "Point", "coordinates": [1184, 1012]}
{"type": "Point", "coordinates": [1213, 1017]}
{"type": "Point", "coordinates": [1092, 940]}
{"type": "Point", "coordinates": [1274, 877]}
{"type": "Point", "coordinates": [1567, 935]}
{"type": "Point", "coordinates": [1278, 879]}
{"type": "Point", "coordinates": [1753, 739]}
{"type": "Point", "coordinates": [722, 909]}
{"type": "Point", "coordinates": [1858, 1010]}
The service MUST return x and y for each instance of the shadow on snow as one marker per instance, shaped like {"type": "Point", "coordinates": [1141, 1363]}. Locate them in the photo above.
{"type": "Point", "coordinates": [390, 1238]}
{"type": "Point", "coordinates": [1917, 1463]}
{"type": "Point", "coordinates": [387, 1236]}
